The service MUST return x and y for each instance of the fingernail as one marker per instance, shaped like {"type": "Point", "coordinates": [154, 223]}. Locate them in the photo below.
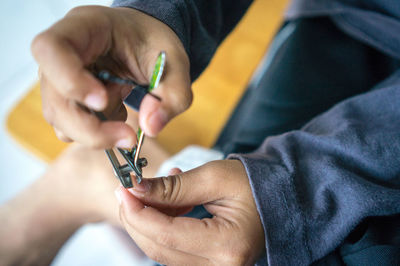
{"type": "Point", "coordinates": [124, 143]}
{"type": "Point", "coordinates": [95, 101]}
{"type": "Point", "coordinates": [157, 120]}
{"type": "Point", "coordinates": [140, 189]}
{"type": "Point", "coordinates": [117, 193]}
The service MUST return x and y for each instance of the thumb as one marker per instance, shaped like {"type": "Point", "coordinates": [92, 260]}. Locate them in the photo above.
{"type": "Point", "coordinates": [175, 93]}
{"type": "Point", "coordinates": [195, 187]}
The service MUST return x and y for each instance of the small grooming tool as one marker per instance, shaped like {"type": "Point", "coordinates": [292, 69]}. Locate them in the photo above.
{"type": "Point", "coordinates": [133, 162]}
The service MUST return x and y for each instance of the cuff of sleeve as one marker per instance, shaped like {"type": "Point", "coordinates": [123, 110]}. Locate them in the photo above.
{"type": "Point", "coordinates": [275, 196]}
{"type": "Point", "coordinates": [166, 11]}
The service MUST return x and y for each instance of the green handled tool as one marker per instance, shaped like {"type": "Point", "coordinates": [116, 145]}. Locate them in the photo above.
{"type": "Point", "coordinates": [134, 163]}
{"type": "Point", "coordinates": [154, 81]}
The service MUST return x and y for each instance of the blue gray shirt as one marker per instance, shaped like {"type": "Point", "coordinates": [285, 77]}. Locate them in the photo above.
{"type": "Point", "coordinates": [311, 186]}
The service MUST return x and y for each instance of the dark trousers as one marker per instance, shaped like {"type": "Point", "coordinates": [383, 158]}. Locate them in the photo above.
{"type": "Point", "coordinates": [310, 67]}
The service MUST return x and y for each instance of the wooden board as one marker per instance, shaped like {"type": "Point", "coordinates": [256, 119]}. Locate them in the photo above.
{"type": "Point", "coordinates": [216, 92]}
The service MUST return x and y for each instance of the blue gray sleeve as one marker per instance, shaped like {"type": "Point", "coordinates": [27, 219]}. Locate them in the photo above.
{"type": "Point", "coordinates": [201, 25]}
{"type": "Point", "coordinates": [314, 185]}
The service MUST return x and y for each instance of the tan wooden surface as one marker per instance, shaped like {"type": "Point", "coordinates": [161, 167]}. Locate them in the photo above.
{"type": "Point", "coordinates": [216, 92]}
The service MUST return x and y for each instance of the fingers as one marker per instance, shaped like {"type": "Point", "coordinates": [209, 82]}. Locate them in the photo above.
{"type": "Point", "coordinates": [176, 233]}
{"type": "Point", "coordinates": [215, 180]}
{"type": "Point", "coordinates": [62, 65]}
{"type": "Point", "coordinates": [85, 39]}
{"type": "Point", "coordinates": [72, 122]}
{"type": "Point", "coordinates": [234, 236]}
{"type": "Point", "coordinates": [165, 255]}
{"type": "Point", "coordinates": [191, 188]}
{"type": "Point", "coordinates": [64, 51]}
{"type": "Point", "coordinates": [175, 92]}
{"type": "Point", "coordinates": [162, 254]}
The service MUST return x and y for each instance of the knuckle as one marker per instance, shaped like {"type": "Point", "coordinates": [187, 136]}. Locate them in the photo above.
{"type": "Point", "coordinates": [40, 42]}
{"type": "Point", "coordinates": [88, 12]}
{"type": "Point", "coordinates": [80, 10]}
{"type": "Point", "coordinates": [171, 187]}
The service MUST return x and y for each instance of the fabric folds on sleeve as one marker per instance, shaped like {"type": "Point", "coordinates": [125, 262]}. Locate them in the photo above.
{"type": "Point", "coordinates": [314, 185]}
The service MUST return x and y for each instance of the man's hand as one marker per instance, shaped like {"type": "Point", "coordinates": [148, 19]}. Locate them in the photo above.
{"type": "Point", "coordinates": [234, 236]}
{"type": "Point", "coordinates": [125, 42]}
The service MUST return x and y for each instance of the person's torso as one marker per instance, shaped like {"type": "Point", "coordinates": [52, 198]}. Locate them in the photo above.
{"type": "Point", "coordinates": [375, 22]}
